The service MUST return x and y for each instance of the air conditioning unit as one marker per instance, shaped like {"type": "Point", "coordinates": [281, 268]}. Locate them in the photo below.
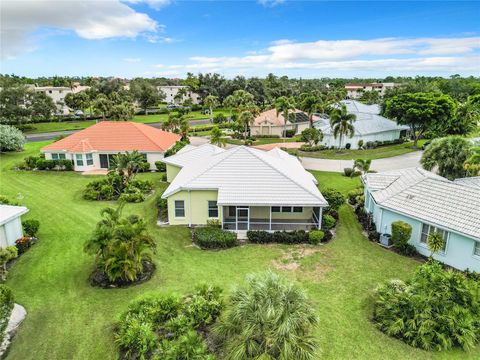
{"type": "Point", "coordinates": [386, 240]}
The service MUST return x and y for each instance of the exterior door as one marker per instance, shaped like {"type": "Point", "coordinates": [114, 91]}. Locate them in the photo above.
{"type": "Point", "coordinates": [243, 218]}
{"type": "Point", "coordinates": [104, 161]}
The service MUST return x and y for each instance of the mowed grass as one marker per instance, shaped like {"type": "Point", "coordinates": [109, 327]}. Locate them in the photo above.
{"type": "Point", "coordinates": [82, 124]}
{"type": "Point", "coordinates": [378, 153]}
{"type": "Point", "coordinates": [68, 319]}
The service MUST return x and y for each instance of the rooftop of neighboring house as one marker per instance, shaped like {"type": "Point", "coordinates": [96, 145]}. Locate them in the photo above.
{"type": "Point", "coordinates": [368, 120]}
{"type": "Point", "coordinates": [189, 154]}
{"type": "Point", "coordinates": [246, 176]}
{"type": "Point", "coordinates": [116, 136]}
{"type": "Point", "coordinates": [10, 212]}
{"type": "Point", "coordinates": [428, 197]}
{"type": "Point", "coordinates": [277, 119]}
{"type": "Point", "coordinates": [469, 181]}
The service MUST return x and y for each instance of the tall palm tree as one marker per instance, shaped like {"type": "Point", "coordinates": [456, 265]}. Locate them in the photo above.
{"type": "Point", "coordinates": [230, 103]}
{"type": "Point", "coordinates": [283, 105]}
{"type": "Point", "coordinates": [270, 318]}
{"type": "Point", "coordinates": [310, 105]}
{"type": "Point", "coordinates": [246, 119]}
{"type": "Point", "coordinates": [342, 123]}
{"type": "Point", "coordinates": [211, 102]}
{"type": "Point", "coordinates": [216, 137]}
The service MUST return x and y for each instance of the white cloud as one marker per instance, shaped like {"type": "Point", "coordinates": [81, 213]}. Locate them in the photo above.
{"type": "Point", "coordinates": [132, 60]}
{"type": "Point", "coordinates": [93, 19]}
{"type": "Point", "coordinates": [154, 4]}
{"type": "Point", "coordinates": [270, 3]}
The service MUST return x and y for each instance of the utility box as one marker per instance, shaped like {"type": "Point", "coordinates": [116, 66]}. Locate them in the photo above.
{"type": "Point", "coordinates": [386, 240]}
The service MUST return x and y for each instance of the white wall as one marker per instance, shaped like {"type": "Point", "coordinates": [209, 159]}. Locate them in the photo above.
{"type": "Point", "coordinates": [329, 140]}
{"type": "Point", "coordinates": [10, 232]}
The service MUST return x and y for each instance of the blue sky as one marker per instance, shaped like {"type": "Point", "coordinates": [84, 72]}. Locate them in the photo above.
{"type": "Point", "coordinates": [304, 39]}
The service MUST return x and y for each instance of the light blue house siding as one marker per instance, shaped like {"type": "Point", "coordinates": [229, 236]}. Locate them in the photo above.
{"type": "Point", "coordinates": [459, 252]}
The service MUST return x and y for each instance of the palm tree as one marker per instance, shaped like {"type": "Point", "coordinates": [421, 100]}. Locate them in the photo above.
{"type": "Point", "coordinates": [211, 102]}
{"type": "Point", "coordinates": [342, 123]}
{"type": "Point", "coordinates": [102, 105]}
{"type": "Point", "coordinates": [181, 93]}
{"type": "Point", "coordinates": [284, 105]}
{"type": "Point", "coordinates": [246, 119]}
{"type": "Point", "coordinates": [435, 242]}
{"type": "Point", "coordinates": [127, 165]}
{"type": "Point", "coordinates": [268, 319]}
{"type": "Point", "coordinates": [362, 165]}
{"type": "Point", "coordinates": [310, 105]}
{"type": "Point", "coordinates": [230, 103]}
{"type": "Point", "coordinates": [184, 129]}
{"type": "Point", "coordinates": [216, 137]}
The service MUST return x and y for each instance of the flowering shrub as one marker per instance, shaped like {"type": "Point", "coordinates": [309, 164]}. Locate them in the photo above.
{"type": "Point", "coordinates": [24, 243]}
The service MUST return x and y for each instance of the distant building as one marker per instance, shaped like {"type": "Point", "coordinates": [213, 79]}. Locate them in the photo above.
{"type": "Point", "coordinates": [171, 91]}
{"type": "Point", "coordinates": [57, 93]}
{"type": "Point", "coordinates": [355, 91]}
{"type": "Point", "coordinates": [272, 123]}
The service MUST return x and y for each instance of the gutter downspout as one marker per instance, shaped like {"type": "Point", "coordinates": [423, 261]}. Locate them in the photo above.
{"type": "Point", "coordinates": [189, 209]}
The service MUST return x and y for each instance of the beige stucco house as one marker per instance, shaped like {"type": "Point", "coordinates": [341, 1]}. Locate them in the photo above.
{"type": "Point", "coordinates": [272, 123]}
{"type": "Point", "coordinates": [243, 188]}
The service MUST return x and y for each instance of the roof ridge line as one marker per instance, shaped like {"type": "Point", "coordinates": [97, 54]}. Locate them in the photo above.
{"type": "Point", "coordinates": [140, 129]}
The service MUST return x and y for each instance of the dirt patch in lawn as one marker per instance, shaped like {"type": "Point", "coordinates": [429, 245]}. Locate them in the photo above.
{"type": "Point", "coordinates": [290, 259]}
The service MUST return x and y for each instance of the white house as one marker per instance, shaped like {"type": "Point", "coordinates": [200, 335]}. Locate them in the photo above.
{"type": "Point", "coordinates": [272, 123]}
{"type": "Point", "coordinates": [428, 203]}
{"type": "Point", "coordinates": [171, 91]}
{"type": "Point", "coordinates": [94, 147]}
{"type": "Point", "coordinates": [355, 91]}
{"type": "Point", "coordinates": [57, 93]}
{"type": "Point", "coordinates": [11, 224]}
{"type": "Point", "coordinates": [369, 126]}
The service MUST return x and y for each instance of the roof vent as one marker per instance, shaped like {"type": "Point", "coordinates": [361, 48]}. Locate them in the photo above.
{"type": "Point", "coordinates": [410, 196]}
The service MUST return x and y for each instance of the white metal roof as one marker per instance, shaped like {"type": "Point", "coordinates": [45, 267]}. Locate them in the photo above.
{"type": "Point", "coordinates": [10, 212]}
{"type": "Point", "coordinates": [190, 153]}
{"type": "Point", "coordinates": [368, 120]}
{"type": "Point", "coordinates": [469, 181]}
{"type": "Point", "coordinates": [248, 176]}
{"type": "Point", "coordinates": [428, 197]}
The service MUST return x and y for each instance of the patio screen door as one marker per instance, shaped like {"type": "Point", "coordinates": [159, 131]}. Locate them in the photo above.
{"type": "Point", "coordinates": [242, 218]}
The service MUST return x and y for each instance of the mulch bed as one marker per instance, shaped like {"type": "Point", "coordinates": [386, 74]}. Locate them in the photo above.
{"type": "Point", "coordinates": [99, 279]}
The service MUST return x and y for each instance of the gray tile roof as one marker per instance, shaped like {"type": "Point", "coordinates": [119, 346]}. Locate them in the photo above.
{"type": "Point", "coordinates": [190, 153]}
{"type": "Point", "coordinates": [469, 181]}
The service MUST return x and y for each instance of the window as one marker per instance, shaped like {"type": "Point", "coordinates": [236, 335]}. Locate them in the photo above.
{"type": "Point", "coordinates": [89, 159]}
{"type": "Point", "coordinates": [476, 250]}
{"type": "Point", "coordinates": [428, 229]}
{"type": "Point", "coordinates": [276, 209]}
{"type": "Point", "coordinates": [286, 209]}
{"type": "Point", "coordinates": [212, 209]}
{"type": "Point", "coordinates": [179, 208]}
{"type": "Point", "coordinates": [79, 159]}
{"type": "Point", "coordinates": [297, 209]}
{"type": "Point", "coordinates": [144, 157]}
{"type": "Point", "coordinates": [232, 211]}
{"type": "Point", "coordinates": [58, 156]}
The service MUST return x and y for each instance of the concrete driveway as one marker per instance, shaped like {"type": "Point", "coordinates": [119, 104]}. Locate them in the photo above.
{"type": "Point", "coordinates": [392, 163]}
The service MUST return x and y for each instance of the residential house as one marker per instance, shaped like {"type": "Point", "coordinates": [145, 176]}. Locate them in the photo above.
{"type": "Point", "coordinates": [57, 93]}
{"type": "Point", "coordinates": [428, 203]}
{"type": "Point", "coordinates": [243, 188]}
{"type": "Point", "coordinates": [369, 126]}
{"type": "Point", "coordinates": [11, 224]}
{"type": "Point", "coordinates": [94, 147]}
{"type": "Point", "coordinates": [272, 123]}
{"type": "Point", "coordinates": [171, 91]}
{"type": "Point", "coordinates": [355, 91]}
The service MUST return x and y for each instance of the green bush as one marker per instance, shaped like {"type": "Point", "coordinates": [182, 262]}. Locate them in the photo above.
{"type": "Point", "coordinates": [436, 310]}
{"type": "Point", "coordinates": [30, 227]}
{"type": "Point", "coordinates": [328, 221]}
{"type": "Point", "coordinates": [401, 233]}
{"type": "Point", "coordinates": [289, 133]}
{"type": "Point", "coordinates": [161, 166]}
{"type": "Point", "coordinates": [280, 237]}
{"type": "Point", "coordinates": [348, 146]}
{"type": "Point", "coordinates": [348, 172]}
{"type": "Point", "coordinates": [315, 237]}
{"type": "Point", "coordinates": [214, 238]}
{"type": "Point", "coordinates": [41, 164]}
{"type": "Point", "coordinates": [308, 148]}
{"type": "Point", "coordinates": [353, 196]}
{"type": "Point", "coordinates": [214, 223]}
{"type": "Point", "coordinates": [334, 198]}
{"type": "Point", "coordinates": [6, 307]}
{"type": "Point", "coordinates": [11, 139]}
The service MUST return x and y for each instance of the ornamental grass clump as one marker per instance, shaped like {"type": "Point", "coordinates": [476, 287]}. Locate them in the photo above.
{"type": "Point", "coordinates": [436, 310]}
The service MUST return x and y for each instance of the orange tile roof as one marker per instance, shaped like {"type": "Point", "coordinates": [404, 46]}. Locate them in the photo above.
{"type": "Point", "coordinates": [116, 136]}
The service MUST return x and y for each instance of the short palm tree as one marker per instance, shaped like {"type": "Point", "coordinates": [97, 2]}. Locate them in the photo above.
{"type": "Point", "coordinates": [435, 242]}
{"type": "Point", "coordinates": [127, 165]}
{"type": "Point", "coordinates": [362, 165]}
{"type": "Point", "coordinates": [216, 137]}
{"type": "Point", "coordinates": [342, 123]}
{"type": "Point", "coordinates": [268, 319]}
{"type": "Point", "coordinates": [283, 105]}
{"type": "Point", "coordinates": [211, 102]}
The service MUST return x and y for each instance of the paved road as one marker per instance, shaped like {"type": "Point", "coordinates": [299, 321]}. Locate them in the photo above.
{"type": "Point", "coordinates": [55, 134]}
{"type": "Point", "coordinates": [392, 163]}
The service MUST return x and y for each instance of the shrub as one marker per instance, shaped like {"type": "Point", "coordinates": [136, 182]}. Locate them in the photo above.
{"type": "Point", "coordinates": [30, 227]}
{"type": "Point", "coordinates": [6, 307]}
{"type": "Point", "coordinates": [219, 118]}
{"type": "Point", "coordinates": [374, 235]}
{"type": "Point", "coordinates": [11, 139]}
{"type": "Point", "coordinates": [435, 310]}
{"type": "Point", "coordinates": [348, 146]}
{"type": "Point", "coordinates": [401, 233]}
{"type": "Point", "coordinates": [308, 148]}
{"type": "Point", "coordinates": [161, 166]}
{"type": "Point", "coordinates": [353, 196]}
{"type": "Point", "coordinates": [273, 315]}
{"type": "Point", "coordinates": [214, 223]}
{"type": "Point", "coordinates": [334, 198]}
{"type": "Point", "coordinates": [348, 172]}
{"type": "Point", "coordinates": [315, 237]}
{"type": "Point", "coordinates": [23, 244]}
{"type": "Point", "coordinates": [360, 144]}
{"type": "Point", "coordinates": [290, 133]}
{"type": "Point", "coordinates": [328, 221]}
{"type": "Point", "coordinates": [41, 164]}
{"type": "Point", "coordinates": [164, 178]}
{"type": "Point", "coordinates": [214, 238]}
{"type": "Point", "coordinates": [280, 237]}
{"type": "Point", "coordinates": [31, 162]}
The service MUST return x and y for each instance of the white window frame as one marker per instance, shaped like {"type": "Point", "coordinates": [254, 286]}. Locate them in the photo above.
{"type": "Point", "coordinates": [79, 160]}
{"type": "Point", "coordinates": [89, 158]}
{"type": "Point", "coordinates": [176, 207]}
{"type": "Point", "coordinates": [212, 208]}
{"type": "Point", "coordinates": [58, 156]}
{"type": "Point", "coordinates": [432, 228]}
{"type": "Point", "coordinates": [476, 249]}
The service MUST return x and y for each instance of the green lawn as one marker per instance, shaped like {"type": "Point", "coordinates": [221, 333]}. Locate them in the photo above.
{"type": "Point", "coordinates": [80, 124]}
{"type": "Point", "coordinates": [68, 319]}
{"type": "Point", "coordinates": [378, 153]}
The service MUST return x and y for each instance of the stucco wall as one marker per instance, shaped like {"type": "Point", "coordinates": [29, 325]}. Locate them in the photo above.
{"type": "Point", "coordinates": [329, 140]}
{"type": "Point", "coordinates": [277, 130]}
{"type": "Point", "coordinates": [196, 207]}
{"type": "Point", "coordinates": [172, 171]}
{"type": "Point", "coordinates": [10, 232]}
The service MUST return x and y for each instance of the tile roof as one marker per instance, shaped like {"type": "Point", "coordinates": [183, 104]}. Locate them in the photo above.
{"type": "Point", "coordinates": [247, 176]}
{"type": "Point", "coordinates": [190, 153]}
{"type": "Point", "coordinates": [469, 181]}
{"type": "Point", "coordinates": [116, 136]}
{"type": "Point", "coordinates": [9, 212]}
{"type": "Point", "coordinates": [428, 197]}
